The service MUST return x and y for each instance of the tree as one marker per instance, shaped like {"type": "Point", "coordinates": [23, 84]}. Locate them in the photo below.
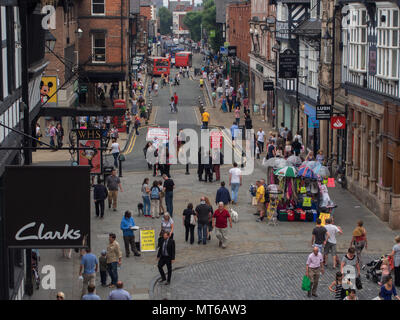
{"type": "Point", "coordinates": [192, 21]}
{"type": "Point", "coordinates": [209, 16]}
{"type": "Point", "coordinates": [165, 20]}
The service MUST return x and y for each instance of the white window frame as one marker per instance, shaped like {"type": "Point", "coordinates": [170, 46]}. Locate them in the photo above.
{"type": "Point", "coordinates": [3, 52]}
{"type": "Point", "coordinates": [388, 48]}
{"type": "Point", "coordinates": [282, 12]}
{"type": "Point", "coordinates": [98, 2]}
{"type": "Point", "coordinates": [93, 48]}
{"type": "Point", "coordinates": [345, 41]}
{"type": "Point", "coordinates": [358, 40]}
{"type": "Point", "coordinates": [314, 9]}
{"type": "Point", "coordinates": [18, 49]}
{"type": "Point", "coordinates": [312, 67]}
{"type": "Point", "coordinates": [302, 62]}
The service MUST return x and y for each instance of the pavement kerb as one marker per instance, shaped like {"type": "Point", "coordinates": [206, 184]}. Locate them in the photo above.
{"type": "Point", "coordinates": [154, 281]}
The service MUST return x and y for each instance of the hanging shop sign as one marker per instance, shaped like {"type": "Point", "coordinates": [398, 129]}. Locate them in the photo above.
{"type": "Point", "coordinates": [313, 122]}
{"type": "Point", "coordinates": [268, 86]}
{"type": "Point", "coordinates": [288, 64]}
{"type": "Point", "coordinates": [338, 122]}
{"type": "Point", "coordinates": [92, 157]}
{"type": "Point", "coordinates": [61, 221]}
{"type": "Point", "coordinates": [323, 111]}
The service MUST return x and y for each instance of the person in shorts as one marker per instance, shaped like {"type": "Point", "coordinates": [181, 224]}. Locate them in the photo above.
{"type": "Point", "coordinates": [330, 246]}
{"type": "Point", "coordinates": [319, 236]}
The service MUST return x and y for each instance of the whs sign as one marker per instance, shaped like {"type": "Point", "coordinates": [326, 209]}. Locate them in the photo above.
{"type": "Point", "coordinates": [338, 122]}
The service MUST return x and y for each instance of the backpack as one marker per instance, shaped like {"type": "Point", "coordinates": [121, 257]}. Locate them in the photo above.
{"type": "Point", "coordinates": [155, 193]}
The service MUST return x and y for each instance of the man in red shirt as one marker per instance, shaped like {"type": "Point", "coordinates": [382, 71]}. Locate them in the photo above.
{"type": "Point", "coordinates": [175, 100]}
{"type": "Point", "coordinates": [219, 222]}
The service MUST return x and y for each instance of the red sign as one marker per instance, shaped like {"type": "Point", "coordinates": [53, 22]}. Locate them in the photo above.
{"type": "Point", "coordinates": [338, 122]}
{"type": "Point", "coordinates": [119, 120]}
{"type": "Point", "coordinates": [216, 139]}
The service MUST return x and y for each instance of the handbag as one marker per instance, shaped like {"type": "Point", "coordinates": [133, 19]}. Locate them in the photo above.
{"type": "Point", "coordinates": [306, 284]}
{"type": "Point", "coordinates": [192, 220]}
{"type": "Point", "coordinates": [254, 201]}
{"type": "Point", "coordinates": [358, 283]}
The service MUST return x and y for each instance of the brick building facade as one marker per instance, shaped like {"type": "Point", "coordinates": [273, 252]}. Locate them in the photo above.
{"type": "Point", "coordinates": [238, 15]}
{"type": "Point", "coordinates": [103, 48]}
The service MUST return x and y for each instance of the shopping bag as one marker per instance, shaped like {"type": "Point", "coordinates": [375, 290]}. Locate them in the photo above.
{"type": "Point", "coordinates": [358, 283]}
{"type": "Point", "coordinates": [306, 284]}
{"type": "Point", "coordinates": [254, 201]}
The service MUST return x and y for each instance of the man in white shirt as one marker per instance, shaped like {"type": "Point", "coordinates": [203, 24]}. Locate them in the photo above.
{"type": "Point", "coordinates": [330, 245]}
{"type": "Point", "coordinates": [235, 181]}
{"type": "Point", "coordinates": [263, 110]}
{"type": "Point", "coordinates": [260, 140]}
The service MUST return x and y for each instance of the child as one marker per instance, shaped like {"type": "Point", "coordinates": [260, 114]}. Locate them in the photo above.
{"type": "Point", "coordinates": [103, 268]}
{"type": "Point", "coordinates": [340, 293]}
{"type": "Point", "coordinates": [385, 268]}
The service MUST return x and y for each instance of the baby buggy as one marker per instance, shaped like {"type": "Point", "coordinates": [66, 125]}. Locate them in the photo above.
{"type": "Point", "coordinates": [373, 268]}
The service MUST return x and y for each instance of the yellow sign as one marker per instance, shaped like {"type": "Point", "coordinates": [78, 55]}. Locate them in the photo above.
{"type": "Point", "coordinates": [303, 190]}
{"type": "Point", "coordinates": [307, 202]}
{"type": "Point", "coordinates": [147, 240]}
{"type": "Point", "coordinates": [48, 86]}
{"type": "Point", "coordinates": [323, 217]}
{"type": "Point", "coordinates": [325, 181]}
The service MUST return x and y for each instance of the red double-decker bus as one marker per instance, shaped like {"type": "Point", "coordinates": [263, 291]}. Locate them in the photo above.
{"type": "Point", "coordinates": [156, 66]}
{"type": "Point", "coordinates": [183, 59]}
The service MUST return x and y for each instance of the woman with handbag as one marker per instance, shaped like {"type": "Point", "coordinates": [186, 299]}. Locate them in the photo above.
{"type": "Point", "coordinates": [210, 228]}
{"type": "Point", "coordinates": [189, 222]}
{"type": "Point", "coordinates": [359, 240]}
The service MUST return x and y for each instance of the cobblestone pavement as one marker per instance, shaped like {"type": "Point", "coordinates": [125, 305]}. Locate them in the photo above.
{"type": "Point", "coordinates": [251, 277]}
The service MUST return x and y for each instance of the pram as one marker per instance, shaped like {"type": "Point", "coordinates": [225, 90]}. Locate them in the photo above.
{"type": "Point", "coordinates": [373, 268]}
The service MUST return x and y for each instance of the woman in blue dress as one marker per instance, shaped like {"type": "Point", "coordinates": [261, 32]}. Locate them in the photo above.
{"type": "Point", "coordinates": [223, 105]}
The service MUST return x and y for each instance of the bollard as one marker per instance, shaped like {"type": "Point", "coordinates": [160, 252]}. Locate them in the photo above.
{"type": "Point", "coordinates": [187, 168]}
{"type": "Point", "coordinates": [120, 168]}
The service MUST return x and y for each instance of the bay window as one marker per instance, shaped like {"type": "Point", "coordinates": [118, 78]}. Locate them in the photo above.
{"type": "Point", "coordinates": [388, 43]}
{"type": "Point", "coordinates": [358, 40]}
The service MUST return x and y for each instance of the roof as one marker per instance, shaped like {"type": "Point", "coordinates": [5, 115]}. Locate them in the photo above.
{"type": "Point", "coordinates": [174, 4]}
{"type": "Point", "coordinates": [309, 27]}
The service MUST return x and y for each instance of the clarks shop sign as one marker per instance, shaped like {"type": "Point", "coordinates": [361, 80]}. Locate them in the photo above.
{"type": "Point", "coordinates": [47, 207]}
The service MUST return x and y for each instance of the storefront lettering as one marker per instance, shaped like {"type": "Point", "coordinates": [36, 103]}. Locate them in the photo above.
{"type": "Point", "coordinates": [49, 235]}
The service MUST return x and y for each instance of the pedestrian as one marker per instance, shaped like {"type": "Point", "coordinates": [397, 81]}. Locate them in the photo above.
{"type": "Point", "coordinates": [223, 195]}
{"type": "Point", "coordinates": [205, 118]}
{"type": "Point", "coordinates": [214, 98]}
{"type": "Point", "coordinates": [60, 295]}
{"type": "Point", "coordinates": [136, 124]}
{"type": "Point", "coordinates": [100, 194]}
{"type": "Point", "coordinates": [235, 181]}
{"type": "Point", "coordinates": [310, 156]}
{"type": "Point", "coordinates": [189, 222]}
{"type": "Point", "coordinates": [127, 224]}
{"type": "Point", "coordinates": [114, 259]}
{"type": "Point", "coordinates": [203, 214]}
{"type": "Point", "coordinates": [337, 288]}
{"type": "Point", "coordinates": [146, 197]}
{"type": "Point", "coordinates": [248, 122]}
{"type": "Point", "coordinates": [260, 139]}
{"type": "Point", "coordinates": [155, 200]}
{"type": "Point", "coordinates": [209, 226]}
{"type": "Point", "coordinates": [167, 224]}
{"type": "Point", "coordinates": [237, 116]}
{"type": "Point", "coordinates": [388, 290]}
{"type": "Point", "coordinates": [53, 135]}
{"type": "Point", "coordinates": [298, 137]}
{"type": "Point", "coordinates": [91, 293]}
{"type": "Point", "coordinates": [260, 196]}
{"type": "Point", "coordinates": [147, 150]}
{"type": "Point", "coordinates": [288, 150]}
{"type": "Point", "coordinates": [176, 100]}
{"type": "Point", "coordinates": [395, 254]}
{"type": "Point", "coordinates": [128, 119]}
{"type": "Point", "coordinates": [156, 89]}
{"type": "Point", "coordinates": [60, 135]}
{"type": "Point", "coordinates": [220, 224]}
{"type": "Point", "coordinates": [350, 259]}
{"type": "Point", "coordinates": [87, 270]}
{"type": "Point", "coordinates": [115, 151]}
{"type": "Point", "coordinates": [169, 193]}
{"type": "Point", "coordinates": [217, 161]}
{"type": "Point", "coordinates": [103, 268]}
{"type": "Point", "coordinates": [320, 156]}
{"type": "Point", "coordinates": [119, 293]}
{"type": "Point", "coordinates": [263, 110]}
{"type": "Point", "coordinates": [314, 267]}
{"type": "Point", "coordinates": [359, 240]}
{"type": "Point", "coordinates": [330, 246]}
{"type": "Point", "coordinates": [385, 271]}
{"type": "Point", "coordinates": [166, 256]}
{"type": "Point", "coordinates": [319, 236]}
{"type": "Point", "coordinates": [113, 183]}
{"type": "Point", "coordinates": [296, 146]}
{"type": "Point", "coordinates": [352, 295]}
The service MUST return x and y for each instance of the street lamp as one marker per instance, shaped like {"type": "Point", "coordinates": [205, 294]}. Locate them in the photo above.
{"type": "Point", "coordinates": [50, 40]}
{"type": "Point", "coordinates": [79, 32]}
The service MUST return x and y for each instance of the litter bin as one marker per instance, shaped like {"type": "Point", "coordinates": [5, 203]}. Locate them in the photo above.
{"type": "Point", "coordinates": [256, 108]}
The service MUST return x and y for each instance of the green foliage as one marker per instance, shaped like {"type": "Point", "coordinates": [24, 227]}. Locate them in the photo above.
{"type": "Point", "coordinates": [193, 20]}
{"type": "Point", "coordinates": [165, 20]}
{"type": "Point", "coordinates": [209, 16]}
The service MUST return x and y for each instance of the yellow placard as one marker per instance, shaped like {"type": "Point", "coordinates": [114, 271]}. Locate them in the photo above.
{"type": "Point", "coordinates": [323, 217]}
{"type": "Point", "coordinates": [48, 86]}
{"type": "Point", "coordinates": [303, 190]}
{"type": "Point", "coordinates": [307, 202]}
{"type": "Point", "coordinates": [325, 181]}
{"type": "Point", "coordinates": [147, 240]}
